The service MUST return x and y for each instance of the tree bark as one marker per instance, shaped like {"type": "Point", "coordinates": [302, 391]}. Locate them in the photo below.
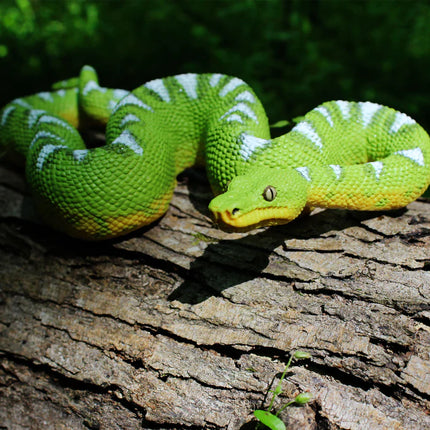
{"type": "Point", "coordinates": [182, 325]}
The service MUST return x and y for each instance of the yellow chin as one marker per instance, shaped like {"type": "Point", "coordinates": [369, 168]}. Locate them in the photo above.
{"type": "Point", "coordinates": [261, 217]}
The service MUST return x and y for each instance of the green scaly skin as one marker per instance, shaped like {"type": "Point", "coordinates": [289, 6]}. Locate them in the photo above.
{"type": "Point", "coordinates": [341, 155]}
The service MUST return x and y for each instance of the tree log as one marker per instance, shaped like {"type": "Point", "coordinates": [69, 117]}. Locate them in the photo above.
{"type": "Point", "coordinates": [180, 325]}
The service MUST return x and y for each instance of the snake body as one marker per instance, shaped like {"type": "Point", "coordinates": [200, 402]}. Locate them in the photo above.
{"type": "Point", "coordinates": [361, 156]}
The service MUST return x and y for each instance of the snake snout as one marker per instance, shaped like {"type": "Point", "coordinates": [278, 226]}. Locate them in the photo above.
{"type": "Point", "coordinates": [225, 215]}
{"type": "Point", "coordinates": [223, 212]}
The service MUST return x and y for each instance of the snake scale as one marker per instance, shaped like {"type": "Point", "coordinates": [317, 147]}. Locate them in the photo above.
{"type": "Point", "coordinates": [342, 154]}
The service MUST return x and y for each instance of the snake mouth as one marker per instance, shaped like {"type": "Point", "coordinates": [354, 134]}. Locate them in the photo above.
{"type": "Point", "coordinates": [228, 222]}
{"type": "Point", "coordinates": [234, 221]}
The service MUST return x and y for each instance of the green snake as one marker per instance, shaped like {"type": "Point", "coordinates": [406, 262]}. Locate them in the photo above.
{"type": "Point", "coordinates": [342, 154]}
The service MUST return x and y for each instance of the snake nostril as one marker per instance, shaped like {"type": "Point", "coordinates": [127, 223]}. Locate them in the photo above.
{"type": "Point", "coordinates": [234, 211]}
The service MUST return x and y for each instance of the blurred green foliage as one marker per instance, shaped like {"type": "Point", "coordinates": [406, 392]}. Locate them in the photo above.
{"type": "Point", "coordinates": [294, 53]}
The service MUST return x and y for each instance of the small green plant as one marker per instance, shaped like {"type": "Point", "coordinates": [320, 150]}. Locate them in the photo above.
{"type": "Point", "coordinates": [271, 420]}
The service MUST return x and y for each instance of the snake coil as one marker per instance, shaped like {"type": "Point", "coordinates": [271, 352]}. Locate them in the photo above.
{"type": "Point", "coordinates": [340, 155]}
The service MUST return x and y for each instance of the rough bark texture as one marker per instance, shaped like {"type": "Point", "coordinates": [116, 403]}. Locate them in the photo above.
{"type": "Point", "coordinates": [181, 325]}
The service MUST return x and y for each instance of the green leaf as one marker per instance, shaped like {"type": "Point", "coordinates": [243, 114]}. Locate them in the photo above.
{"type": "Point", "coordinates": [303, 398]}
{"type": "Point", "coordinates": [280, 124]}
{"type": "Point", "coordinates": [301, 355]}
{"type": "Point", "coordinates": [277, 391]}
{"type": "Point", "coordinates": [3, 51]}
{"type": "Point", "coordinates": [269, 420]}
{"type": "Point", "coordinates": [298, 119]}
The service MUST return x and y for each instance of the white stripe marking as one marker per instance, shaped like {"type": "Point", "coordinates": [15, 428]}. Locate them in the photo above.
{"type": "Point", "coordinates": [344, 108]}
{"type": "Point", "coordinates": [127, 139]}
{"type": "Point", "coordinates": [131, 99]}
{"type": "Point", "coordinates": [93, 86]}
{"type": "Point", "coordinates": [231, 85]}
{"type": "Point", "coordinates": [34, 115]}
{"type": "Point", "coordinates": [326, 114]}
{"type": "Point", "coordinates": [61, 93]}
{"type": "Point", "coordinates": [188, 82]}
{"type": "Point", "coordinates": [309, 132]}
{"type": "Point", "coordinates": [90, 86]}
{"type": "Point", "coordinates": [368, 111]}
{"type": "Point", "coordinates": [112, 105]}
{"type": "Point", "coordinates": [6, 113]}
{"type": "Point", "coordinates": [377, 166]}
{"type": "Point", "coordinates": [45, 96]}
{"type": "Point", "coordinates": [44, 152]}
{"type": "Point", "coordinates": [64, 83]}
{"type": "Point", "coordinates": [48, 119]}
{"type": "Point", "coordinates": [214, 80]}
{"type": "Point", "coordinates": [80, 154]}
{"type": "Point", "coordinates": [22, 103]}
{"type": "Point", "coordinates": [157, 85]}
{"type": "Point", "coordinates": [118, 93]}
{"type": "Point", "coordinates": [416, 155]}
{"type": "Point", "coordinates": [245, 109]}
{"type": "Point", "coordinates": [304, 171]}
{"type": "Point", "coordinates": [400, 120]}
{"type": "Point", "coordinates": [337, 170]}
{"type": "Point", "coordinates": [245, 96]}
{"type": "Point", "coordinates": [42, 134]}
{"type": "Point", "coordinates": [129, 118]}
{"type": "Point", "coordinates": [250, 144]}
{"type": "Point", "coordinates": [234, 117]}
{"type": "Point", "coordinates": [88, 68]}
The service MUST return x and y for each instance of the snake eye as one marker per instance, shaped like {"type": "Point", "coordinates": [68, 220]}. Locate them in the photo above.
{"type": "Point", "coordinates": [269, 193]}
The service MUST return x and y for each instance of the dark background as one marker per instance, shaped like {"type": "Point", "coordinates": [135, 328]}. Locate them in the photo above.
{"type": "Point", "coordinates": [295, 54]}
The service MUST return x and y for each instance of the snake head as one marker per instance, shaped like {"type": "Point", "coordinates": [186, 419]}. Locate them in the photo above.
{"type": "Point", "coordinates": [260, 197]}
